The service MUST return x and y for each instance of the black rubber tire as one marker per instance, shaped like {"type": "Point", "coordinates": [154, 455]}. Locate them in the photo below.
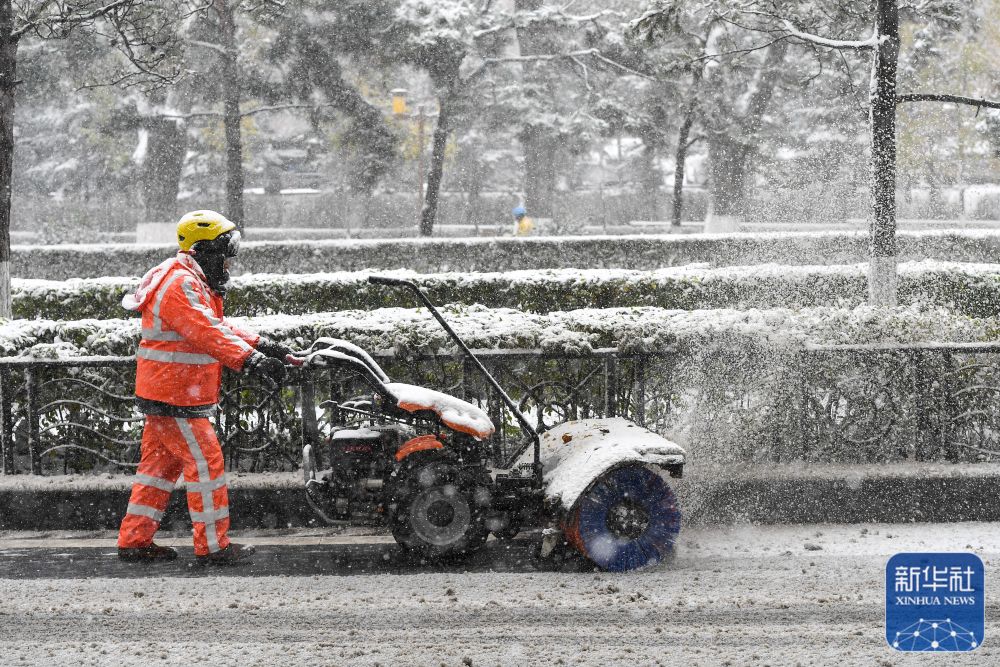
{"type": "Point", "coordinates": [439, 508]}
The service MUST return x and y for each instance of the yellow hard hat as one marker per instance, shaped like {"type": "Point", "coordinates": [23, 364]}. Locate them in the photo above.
{"type": "Point", "coordinates": [201, 226]}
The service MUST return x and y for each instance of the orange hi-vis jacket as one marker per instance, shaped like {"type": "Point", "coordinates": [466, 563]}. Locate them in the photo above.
{"type": "Point", "coordinates": [185, 339]}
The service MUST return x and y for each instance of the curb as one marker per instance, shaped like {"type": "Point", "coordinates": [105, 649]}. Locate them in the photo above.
{"type": "Point", "coordinates": [761, 495]}
{"type": "Point", "coordinates": [873, 500]}
{"type": "Point", "coordinates": [93, 509]}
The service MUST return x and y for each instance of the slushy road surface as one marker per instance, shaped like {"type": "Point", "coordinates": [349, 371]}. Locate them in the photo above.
{"type": "Point", "coordinates": [749, 595]}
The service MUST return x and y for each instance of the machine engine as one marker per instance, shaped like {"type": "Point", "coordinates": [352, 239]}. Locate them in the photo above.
{"type": "Point", "coordinates": [360, 460]}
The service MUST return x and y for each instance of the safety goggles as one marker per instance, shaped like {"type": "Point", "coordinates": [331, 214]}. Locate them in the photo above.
{"type": "Point", "coordinates": [233, 247]}
{"type": "Point", "coordinates": [227, 245]}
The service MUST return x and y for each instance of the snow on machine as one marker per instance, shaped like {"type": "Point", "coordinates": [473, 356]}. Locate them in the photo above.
{"type": "Point", "coordinates": [420, 462]}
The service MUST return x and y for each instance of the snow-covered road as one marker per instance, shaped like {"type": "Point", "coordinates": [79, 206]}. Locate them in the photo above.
{"type": "Point", "coordinates": [780, 595]}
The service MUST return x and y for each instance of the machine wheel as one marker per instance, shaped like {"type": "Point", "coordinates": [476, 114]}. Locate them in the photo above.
{"type": "Point", "coordinates": [440, 508]}
{"type": "Point", "coordinates": [627, 519]}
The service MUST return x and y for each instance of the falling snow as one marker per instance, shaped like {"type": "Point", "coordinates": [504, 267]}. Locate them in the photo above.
{"type": "Point", "coordinates": [670, 207]}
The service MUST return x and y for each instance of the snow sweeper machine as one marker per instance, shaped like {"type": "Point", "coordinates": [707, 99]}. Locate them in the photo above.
{"type": "Point", "coordinates": [420, 462]}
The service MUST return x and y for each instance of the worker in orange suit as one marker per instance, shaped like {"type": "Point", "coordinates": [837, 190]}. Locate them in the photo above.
{"type": "Point", "coordinates": [185, 342]}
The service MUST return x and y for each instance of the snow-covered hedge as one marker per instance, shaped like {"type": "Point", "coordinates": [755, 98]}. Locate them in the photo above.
{"type": "Point", "coordinates": [510, 254]}
{"type": "Point", "coordinates": [973, 289]}
{"type": "Point", "coordinates": [730, 385]}
{"type": "Point", "coordinates": [647, 329]}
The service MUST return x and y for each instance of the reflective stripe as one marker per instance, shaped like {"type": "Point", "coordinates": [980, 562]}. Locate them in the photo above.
{"type": "Point", "coordinates": [202, 487]}
{"type": "Point", "coordinates": [145, 510]}
{"type": "Point", "coordinates": [214, 321]}
{"type": "Point", "coordinates": [190, 358]}
{"type": "Point", "coordinates": [153, 334]}
{"type": "Point", "coordinates": [209, 518]}
{"type": "Point", "coordinates": [158, 301]}
{"type": "Point", "coordinates": [207, 502]}
{"type": "Point", "coordinates": [155, 482]}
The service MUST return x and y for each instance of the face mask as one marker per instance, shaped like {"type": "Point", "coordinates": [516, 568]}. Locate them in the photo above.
{"type": "Point", "coordinates": [212, 257]}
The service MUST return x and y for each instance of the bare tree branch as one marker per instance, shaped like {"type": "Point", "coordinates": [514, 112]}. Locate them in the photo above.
{"type": "Point", "coordinates": [206, 45]}
{"type": "Point", "coordinates": [251, 112]}
{"type": "Point", "coordinates": [869, 43]}
{"type": "Point", "coordinates": [261, 4]}
{"type": "Point", "coordinates": [554, 14]}
{"type": "Point", "coordinates": [197, 9]}
{"type": "Point", "coordinates": [862, 109]}
{"type": "Point", "coordinates": [942, 97]}
{"type": "Point", "coordinates": [64, 18]}
{"type": "Point", "coordinates": [491, 30]}
{"type": "Point", "coordinates": [819, 61]}
{"type": "Point", "coordinates": [751, 49]}
{"type": "Point", "coordinates": [586, 73]}
{"type": "Point", "coordinates": [548, 57]}
{"type": "Point", "coordinates": [143, 65]}
{"type": "Point", "coordinates": [127, 79]}
{"type": "Point", "coordinates": [39, 11]}
{"type": "Point", "coordinates": [596, 53]}
{"type": "Point", "coordinates": [284, 107]}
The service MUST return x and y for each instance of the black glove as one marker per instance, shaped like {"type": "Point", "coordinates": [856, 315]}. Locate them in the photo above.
{"type": "Point", "coordinates": [273, 349]}
{"type": "Point", "coordinates": [265, 367]}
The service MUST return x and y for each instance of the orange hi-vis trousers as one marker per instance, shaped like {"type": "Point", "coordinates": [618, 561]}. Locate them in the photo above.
{"type": "Point", "coordinates": [170, 446]}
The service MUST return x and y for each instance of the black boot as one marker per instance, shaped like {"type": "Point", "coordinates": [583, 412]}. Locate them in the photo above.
{"type": "Point", "coordinates": [232, 554]}
{"type": "Point", "coordinates": [147, 554]}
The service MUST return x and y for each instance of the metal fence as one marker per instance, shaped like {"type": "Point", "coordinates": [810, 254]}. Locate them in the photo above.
{"type": "Point", "coordinates": [847, 403]}
{"type": "Point", "coordinates": [891, 402]}
{"type": "Point", "coordinates": [77, 415]}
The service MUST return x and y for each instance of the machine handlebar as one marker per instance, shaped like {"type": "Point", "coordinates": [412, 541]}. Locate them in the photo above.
{"type": "Point", "coordinates": [412, 286]}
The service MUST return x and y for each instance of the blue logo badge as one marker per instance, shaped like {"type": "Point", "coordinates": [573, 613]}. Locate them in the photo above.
{"type": "Point", "coordinates": [934, 602]}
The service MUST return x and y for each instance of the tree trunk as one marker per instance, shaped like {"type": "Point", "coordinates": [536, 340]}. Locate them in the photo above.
{"type": "Point", "coordinates": [882, 226]}
{"type": "Point", "coordinates": [935, 195]}
{"type": "Point", "coordinates": [731, 153]}
{"type": "Point", "coordinates": [683, 144]}
{"type": "Point", "coordinates": [436, 171]}
{"type": "Point", "coordinates": [231, 112]}
{"type": "Point", "coordinates": [650, 180]}
{"type": "Point", "coordinates": [539, 171]}
{"type": "Point", "coordinates": [8, 82]}
{"type": "Point", "coordinates": [680, 160]}
{"type": "Point", "coordinates": [161, 172]}
{"type": "Point", "coordinates": [421, 172]}
{"type": "Point", "coordinates": [729, 162]}
{"type": "Point", "coordinates": [540, 144]}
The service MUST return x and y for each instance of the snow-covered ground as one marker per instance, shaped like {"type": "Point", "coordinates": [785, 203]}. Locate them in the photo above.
{"type": "Point", "coordinates": [746, 595]}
